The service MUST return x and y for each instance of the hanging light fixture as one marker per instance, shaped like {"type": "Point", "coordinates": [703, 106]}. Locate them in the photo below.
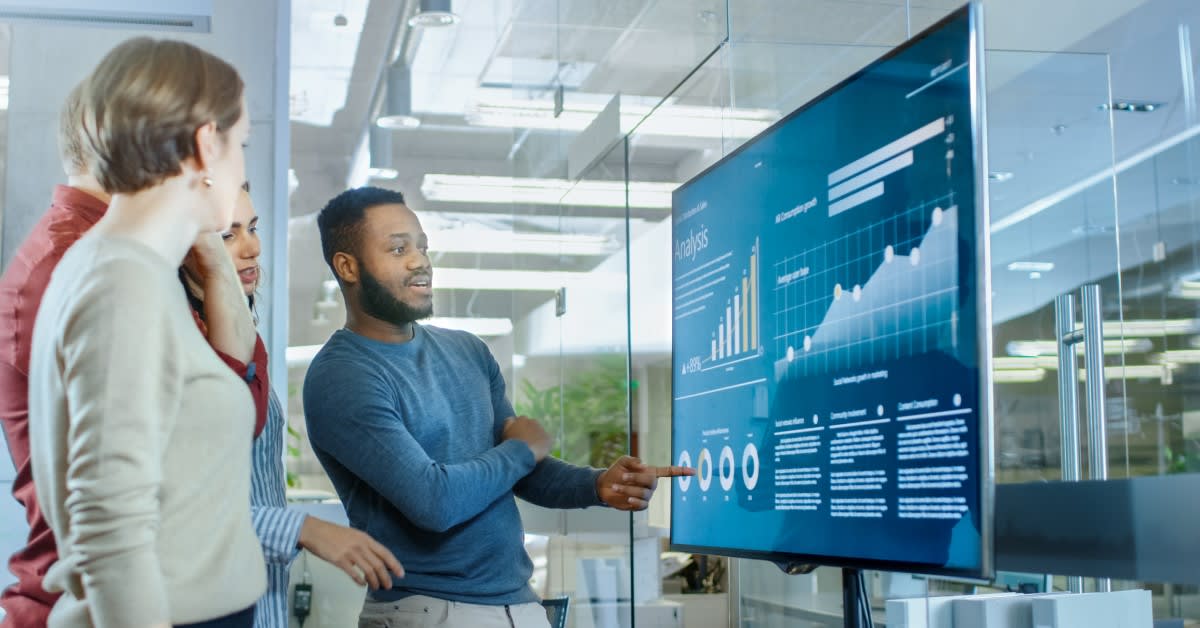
{"type": "Point", "coordinates": [433, 13]}
{"type": "Point", "coordinates": [380, 147]}
{"type": "Point", "coordinates": [397, 106]}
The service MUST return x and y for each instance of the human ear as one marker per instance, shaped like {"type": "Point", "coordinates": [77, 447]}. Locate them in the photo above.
{"type": "Point", "coordinates": [346, 267]}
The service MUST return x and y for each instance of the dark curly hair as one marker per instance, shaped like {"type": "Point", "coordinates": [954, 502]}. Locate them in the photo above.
{"type": "Point", "coordinates": [340, 221]}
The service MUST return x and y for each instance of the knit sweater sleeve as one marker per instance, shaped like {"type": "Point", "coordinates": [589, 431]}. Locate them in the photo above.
{"type": "Point", "coordinates": [353, 416]}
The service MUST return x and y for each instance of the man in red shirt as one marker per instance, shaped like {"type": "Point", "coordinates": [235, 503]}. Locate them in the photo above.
{"type": "Point", "coordinates": [74, 209]}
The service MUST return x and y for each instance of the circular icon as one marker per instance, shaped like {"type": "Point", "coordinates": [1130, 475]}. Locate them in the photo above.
{"type": "Point", "coordinates": [957, 400]}
{"type": "Point", "coordinates": [704, 470]}
{"type": "Point", "coordinates": [749, 461]}
{"type": "Point", "coordinates": [685, 481]}
{"type": "Point", "coordinates": [726, 468]}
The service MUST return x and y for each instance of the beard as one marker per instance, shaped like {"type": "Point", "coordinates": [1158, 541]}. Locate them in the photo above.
{"type": "Point", "coordinates": [380, 303]}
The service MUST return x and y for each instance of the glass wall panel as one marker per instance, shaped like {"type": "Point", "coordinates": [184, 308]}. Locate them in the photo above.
{"type": "Point", "coordinates": [1046, 133]}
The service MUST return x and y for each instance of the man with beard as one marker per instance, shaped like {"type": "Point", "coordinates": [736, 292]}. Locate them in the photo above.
{"type": "Point", "coordinates": [412, 425]}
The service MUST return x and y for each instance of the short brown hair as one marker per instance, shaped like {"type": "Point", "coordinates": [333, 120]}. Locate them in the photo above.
{"type": "Point", "coordinates": [70, 134]}
{"type": "Point", "coordinates": [143, 104]}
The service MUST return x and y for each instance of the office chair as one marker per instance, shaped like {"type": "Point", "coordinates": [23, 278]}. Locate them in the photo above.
{"type": "Point", "coordinates": [556, 611]}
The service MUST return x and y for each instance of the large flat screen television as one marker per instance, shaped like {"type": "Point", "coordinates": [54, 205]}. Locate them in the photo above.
{"type": "Point", "coordinates": [831, 338]}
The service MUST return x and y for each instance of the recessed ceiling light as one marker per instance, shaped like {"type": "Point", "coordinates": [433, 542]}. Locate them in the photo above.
{"type": "Point", "coordinates": [1133, 106]}
{"type": "Point", "coordinates": [1185, 181]}
{"type": "Point", "coordinates": [433, 14]}
{"type": "Point", "coordinates": [398, 122]}
{"type": "Point", "coordinates": [1091, 229]}
{"type": "Point", "coordinates": [1000, 176]}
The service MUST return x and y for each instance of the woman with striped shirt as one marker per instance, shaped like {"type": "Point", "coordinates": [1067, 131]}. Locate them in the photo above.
{"type": "Point", "coordinates": [281, 531]}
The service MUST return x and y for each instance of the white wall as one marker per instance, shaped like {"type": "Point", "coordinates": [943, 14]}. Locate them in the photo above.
{"type": "Point", "coordinates": [595, 318]}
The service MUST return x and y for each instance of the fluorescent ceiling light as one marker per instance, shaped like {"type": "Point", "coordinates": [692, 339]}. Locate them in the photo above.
{"type": "Point", "coordinates": [477, 279]}
{"type": "Point", "coordinates": [478, 326]}
{"type": "Point", "coordinates": [668, 120]}
{"type": "Point", "coordinates": [383, 173]}
{"type": "Point", "coordinates": [474, 240]}
{"type": "Point", "coordinates": [1152, 328]}
{"type": "Point", "coordinates": [1018, 376]}
{"type": "Point", "coordinates": [1005, 363]}
{"type": "Point", "coordinates": [1186, 289]}
{"type": "Point", "coordinates": [1031, 267]}
{"type": "Point", "coordinates": [1177, 356]}
{"type": "Point", "coordinates": [1112, 346]}
{"type": "Point", "coordinates": [398, 122]}
{"type": "Point", "coordinates": [1136, 371]}
{"type": "Point", "coordinates": [512, 190]}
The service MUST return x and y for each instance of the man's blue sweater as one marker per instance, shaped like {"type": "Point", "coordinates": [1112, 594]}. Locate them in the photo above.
{"type": "Point", "coordinates": [410, 435]}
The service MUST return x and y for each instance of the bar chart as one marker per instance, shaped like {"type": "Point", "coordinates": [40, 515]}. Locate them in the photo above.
{"type": "Point", "coordinates": [726, 291]}
{"type": "Point", "coordinates": [737, 330]}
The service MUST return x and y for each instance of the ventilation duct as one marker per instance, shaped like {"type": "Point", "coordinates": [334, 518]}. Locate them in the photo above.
{"type": "Point", "coordinates": [176, 15]}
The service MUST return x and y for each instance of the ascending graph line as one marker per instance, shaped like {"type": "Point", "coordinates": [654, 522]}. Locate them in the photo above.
{"type": "Point", "coordinates": [930, 415]}
{"type": "Point", "coordinates": [721, 389]}
{"type": "Point", "coordinates": [882, 291]}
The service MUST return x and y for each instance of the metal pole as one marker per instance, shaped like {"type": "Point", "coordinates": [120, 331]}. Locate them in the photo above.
{"type": "Point", "coordinates": [1097, 424]}
{"type": "Point", "coordinates": [852, 595]}
{"type": "Point", "coordinates": [1068, 399]}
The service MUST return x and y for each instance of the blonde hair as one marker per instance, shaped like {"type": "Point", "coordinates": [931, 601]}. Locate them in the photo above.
{"type": "Point", "coordinates": [70, 134]}
{"type": "Point", "coordinates": [143, 104]}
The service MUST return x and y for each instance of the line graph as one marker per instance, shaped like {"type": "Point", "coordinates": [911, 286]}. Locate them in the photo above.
{"type": "Point", "coordinates": [884, 291]}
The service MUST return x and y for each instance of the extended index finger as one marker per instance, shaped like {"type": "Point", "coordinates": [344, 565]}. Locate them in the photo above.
{"type": "Point", "coordinates": [673, 471]}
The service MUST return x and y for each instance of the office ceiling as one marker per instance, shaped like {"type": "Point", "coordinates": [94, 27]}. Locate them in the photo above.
{"type": "Point", "coordinates": [1047, 79]}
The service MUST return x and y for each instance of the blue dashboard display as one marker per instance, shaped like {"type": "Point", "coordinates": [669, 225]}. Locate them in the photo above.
{"type": "Point", "coordinates": [830, 329]}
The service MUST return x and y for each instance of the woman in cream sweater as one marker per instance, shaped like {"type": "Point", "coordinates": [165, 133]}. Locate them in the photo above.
{"type": "Point", "coordinates": [140, 434]}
